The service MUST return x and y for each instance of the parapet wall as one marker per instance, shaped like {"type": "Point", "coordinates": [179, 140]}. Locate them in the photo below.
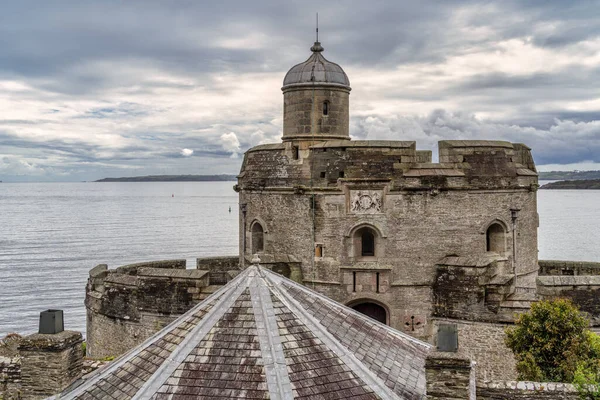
{"type": "Point", "coordinates": [128, 304]}
{"type": "Point", "coordinates": [556, 267]}
{"type": "Point", "coordinates": [219, 268]}
{"type": "Point", "coordinates": [513, 390]}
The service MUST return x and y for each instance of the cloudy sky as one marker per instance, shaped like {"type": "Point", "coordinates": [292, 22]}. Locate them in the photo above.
{"type": "Point", "coordinates": [90, 89]}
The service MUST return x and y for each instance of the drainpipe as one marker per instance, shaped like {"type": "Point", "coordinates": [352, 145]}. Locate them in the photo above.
{"type": "Point", "coordinates": [514, 213]}
{"type": "Point", "coordinates": [243, 208]}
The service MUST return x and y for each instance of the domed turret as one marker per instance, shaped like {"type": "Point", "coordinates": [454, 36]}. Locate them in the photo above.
{"type": "Point", "coordinates": [316, 69]}
{"type": "Point", "coordinates": [316, 100]}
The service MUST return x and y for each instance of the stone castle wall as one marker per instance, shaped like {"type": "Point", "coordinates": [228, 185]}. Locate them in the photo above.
{"type": "Point", "coordinates": [127, 305]}
{"type": "Point", "coordinates": [10, 377]}
{"type": "Point", "coordinates": [425, 212]}
{"type": "Point", "coordinates": [484, 343]}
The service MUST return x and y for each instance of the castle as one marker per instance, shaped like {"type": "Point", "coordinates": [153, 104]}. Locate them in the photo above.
{"type": "Point", "coordinates": [420, 246]}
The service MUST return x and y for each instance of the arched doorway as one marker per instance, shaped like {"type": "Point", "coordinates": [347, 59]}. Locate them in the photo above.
{"type": "Point", "coordinates": [372, 310]}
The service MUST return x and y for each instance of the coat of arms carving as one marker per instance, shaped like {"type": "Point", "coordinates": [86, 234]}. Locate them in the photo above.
{"type": "Point", "coordinates": [366, 201]}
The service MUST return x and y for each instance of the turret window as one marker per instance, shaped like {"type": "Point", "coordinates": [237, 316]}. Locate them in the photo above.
{"type": "Point", "coordinates": [325, 108]}
{"type": "Point", "coordinates": [258, 238]}
{"type": "Point", "coordinates": [495, 238]}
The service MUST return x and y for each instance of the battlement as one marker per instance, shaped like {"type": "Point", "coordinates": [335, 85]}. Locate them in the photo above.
{"type": "Point", "coordinates": [133, 301]}
{"type": "Point", "coordinates": [463, 164]}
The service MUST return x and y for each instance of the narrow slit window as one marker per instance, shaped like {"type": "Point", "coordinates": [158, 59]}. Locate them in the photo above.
{"type": "Point", "coordinates": [377, 282]}
{"type": "Point", "coordinates": [295, 152]}
{"type": "Point", "coordinates": [319, 250]}
{"type": "Point", "coordinates": [354, 281]}
{"type": "Point", "coordinates": [325, 108]}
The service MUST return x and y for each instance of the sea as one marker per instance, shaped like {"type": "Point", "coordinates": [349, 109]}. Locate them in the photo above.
{"type": "Point", "coordinates": [52, 234]}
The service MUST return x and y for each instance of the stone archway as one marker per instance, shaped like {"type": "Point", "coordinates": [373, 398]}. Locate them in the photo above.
{"type": "Point", "coordinates": [372, 310]}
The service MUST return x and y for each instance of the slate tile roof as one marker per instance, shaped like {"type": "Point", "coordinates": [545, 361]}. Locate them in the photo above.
{"type": "Point", "coordinates": [262, 336]}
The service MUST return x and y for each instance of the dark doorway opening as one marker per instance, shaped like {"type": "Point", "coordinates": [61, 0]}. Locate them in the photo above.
{"type": "Point", "coordinates": [372, 310]}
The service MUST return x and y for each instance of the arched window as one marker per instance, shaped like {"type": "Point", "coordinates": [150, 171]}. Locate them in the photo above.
{"type": "Point", "coordinates": [325, 108]}
{"type": "Point", "coordinates": [367, 243]}
{"type": "Point", "coordinates": [258, 238]}
{"type": "Point", "coordinates": [495, 238]}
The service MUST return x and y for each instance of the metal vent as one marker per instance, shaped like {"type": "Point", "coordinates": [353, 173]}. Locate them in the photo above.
{"type": "Point", "coordinates": [447, 338]}
{"type": "Point", "coordinates": [51, 322]}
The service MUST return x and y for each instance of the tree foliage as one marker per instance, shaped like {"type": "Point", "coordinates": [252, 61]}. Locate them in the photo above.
{"type": "Point", "coordinates": [552, 343]}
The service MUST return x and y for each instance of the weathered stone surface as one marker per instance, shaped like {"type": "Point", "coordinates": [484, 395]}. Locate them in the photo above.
{"type": "Point", "coordinates": [127, 305]}
{"type": "Point", "coordinates": [10, 377]}
{"type": "Point", "coordinates": [513, 390]}
{"type": "Point", "coordinates": [49, 363]}
{"type": "Point", "coordinates": [449, 377]}
{"type": "Point", "coordinates": [484, 342]}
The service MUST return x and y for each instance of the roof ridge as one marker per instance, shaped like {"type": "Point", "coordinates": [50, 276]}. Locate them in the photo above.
{"type": "Point", "coordinates": [160, 376]}
{"type": "Point", "coordinates": [120, 361]}
{"type": "Point", "coordinates": [274, 363]}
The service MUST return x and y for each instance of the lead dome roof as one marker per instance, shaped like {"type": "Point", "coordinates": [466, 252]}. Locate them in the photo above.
{"type": "Point", "coordinates": [316, 69]}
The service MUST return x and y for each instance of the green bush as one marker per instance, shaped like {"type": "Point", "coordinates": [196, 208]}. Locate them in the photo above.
{"type": "Point", "coordinates": [552, 341]}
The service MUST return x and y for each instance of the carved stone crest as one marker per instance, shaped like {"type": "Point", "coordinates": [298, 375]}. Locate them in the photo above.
{"type": "Point", "coordinates": [366, 201]}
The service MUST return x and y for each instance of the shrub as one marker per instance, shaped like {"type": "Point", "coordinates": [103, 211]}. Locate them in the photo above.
{"type": "Point", "coordinates": [551, 342]}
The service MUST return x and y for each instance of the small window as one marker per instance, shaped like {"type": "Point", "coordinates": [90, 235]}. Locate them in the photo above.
{"type": "Point", "coordinates": [367, 243]}
{"type": "Point", "coordinates": [325, 108]}
{"type": "Point", "coordinates": [377, 282]}
{"type": "Point", "coordinates": [495, 238]}
{"type": "Point", "coordinates": [258, 238]}
{"type": "Point", "coordinates": [354, 281]}
{"type": "Point", "coordinates": [323, 174]}
{"type": "Point", "coordinates": [295, 152]}
{"type": "Point", "coordinates": [341, 174]}
{"type": "Point", "coordinates": [319, 250]}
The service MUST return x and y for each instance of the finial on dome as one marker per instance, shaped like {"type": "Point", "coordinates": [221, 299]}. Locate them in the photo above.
{"type": "Point", "coordinates": [317, 48]}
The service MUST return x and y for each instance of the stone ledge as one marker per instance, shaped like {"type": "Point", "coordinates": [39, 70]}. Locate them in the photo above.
{"type": "Point", "coordinates": [45, 342]}
{"type": "Point", "coordinates": [445, 360]}
{"type": "Point", "coordinates": [529, 386]}
{"type": "Point", "coordinates": [172, 273]}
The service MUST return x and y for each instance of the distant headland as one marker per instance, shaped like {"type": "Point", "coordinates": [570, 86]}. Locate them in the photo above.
{"type": "Point", "coordinates": [171, 178]}
{"type": "Point", "coordinates": [574, 184]}
{"type": "Point", "coordinates": [568, 175]}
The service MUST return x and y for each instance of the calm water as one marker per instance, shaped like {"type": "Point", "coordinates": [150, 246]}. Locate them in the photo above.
{"type": "Point", "coordinates": [51, 234]}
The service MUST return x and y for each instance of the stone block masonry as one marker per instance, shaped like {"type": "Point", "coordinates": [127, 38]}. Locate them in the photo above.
{"type": "Point", "coordinates": [10, 377]}
{"type": "Point", "coordinates": [513, 390]}
{"type": "Point", "coordinates": [49, 363]}
{"type": "Point", "coordinates": [449, 377]}
{"type": "Point", "coordinates": [127, 305]}
{"type": "Point", "coordinates": [484, 342]}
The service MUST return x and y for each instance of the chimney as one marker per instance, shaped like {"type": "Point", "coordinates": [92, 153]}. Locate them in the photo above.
{"type": "Point", "coordinates": [51, 359]}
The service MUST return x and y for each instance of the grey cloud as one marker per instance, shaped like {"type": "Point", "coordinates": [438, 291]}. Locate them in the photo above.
{"type": "Point", "coordinates": [124, 69]}
{"type": "Point", "coordinates": [564, 142]}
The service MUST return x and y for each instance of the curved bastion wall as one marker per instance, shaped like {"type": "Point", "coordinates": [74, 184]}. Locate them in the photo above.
{"type": "Point", "coordinates": [128, 304]}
